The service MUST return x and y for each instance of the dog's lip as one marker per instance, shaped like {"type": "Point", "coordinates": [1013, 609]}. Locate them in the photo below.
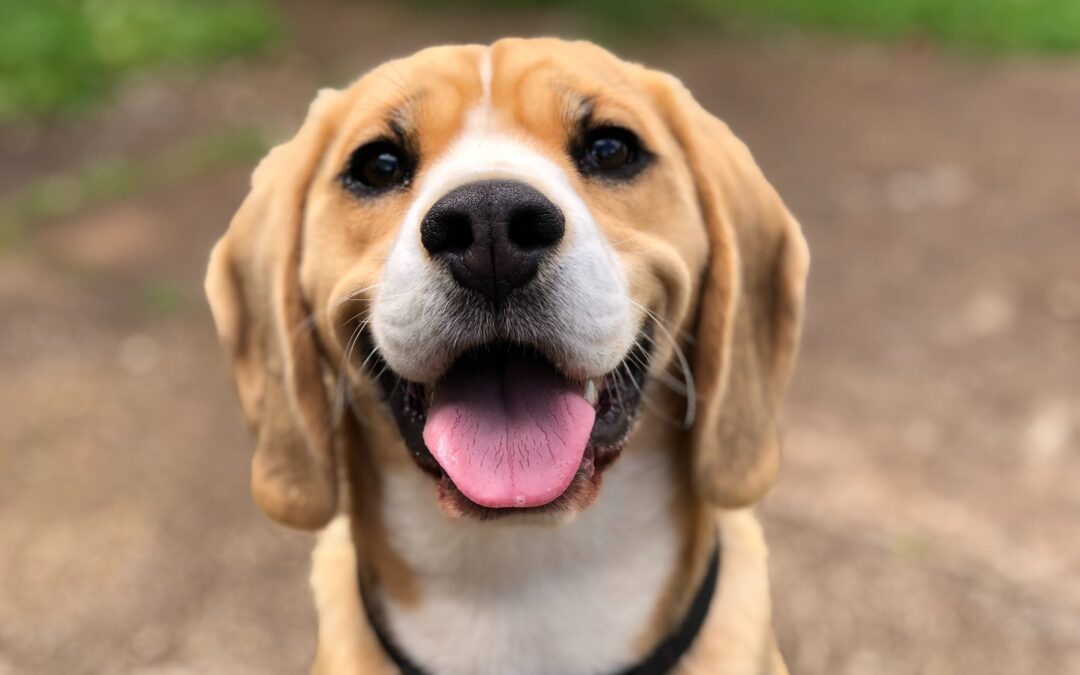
{"type": "Point", "coordinates": [591, 389]}
{"type": "Point", "coordinates": [579, 375]}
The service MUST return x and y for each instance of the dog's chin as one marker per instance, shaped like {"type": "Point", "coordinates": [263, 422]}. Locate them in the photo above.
{"type": "Point", "coordinates": [614, 399]}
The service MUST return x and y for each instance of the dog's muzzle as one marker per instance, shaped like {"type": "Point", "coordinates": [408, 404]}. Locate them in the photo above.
{"type": "Point", "coordinates": [499, 381]}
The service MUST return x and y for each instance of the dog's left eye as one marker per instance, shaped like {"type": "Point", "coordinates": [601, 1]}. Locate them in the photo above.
{"type": "Point", "coordinates": [376, 167]}
{"type": "Point", "coordinates": [612, 152]}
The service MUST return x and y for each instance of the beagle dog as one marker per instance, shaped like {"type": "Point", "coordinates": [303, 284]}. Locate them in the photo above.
{"type": "Point", "coordinates": [511, 325]}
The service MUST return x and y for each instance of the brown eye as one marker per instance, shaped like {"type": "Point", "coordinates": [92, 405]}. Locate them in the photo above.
{"type": "Point", "coordinates": [612, 152]}
{"type": "Point", "coordinates": [376, 167]}
{"type": "Point", "coordinates": [609, 153]}
{"type": "Point", "coordinates": [381, 170]}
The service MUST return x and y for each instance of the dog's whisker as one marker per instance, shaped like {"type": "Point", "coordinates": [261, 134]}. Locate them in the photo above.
{"type": "Point", "coordinates": [667, 379]}
{"type": "Point", "coordinates": [397, 381]}
{"type": "Point", "coordinates": [310, 320]}
{"type": "Point", "coordinates": [649, 403]}
{"type": "Point", "coordinates": [372, 354]}
{"type": "Point", "coordinates": [342, 376]}
{"type": "Point", "coordinates": [689, 337]}
{"type": "Point", "coordinates": [668, 365]}
{"type": "Point", "coordinates": [673, 383]}
{"type": "Point", "coordinates": [353, 294]}
{"type": "Point", "coordinates": [684, 363]}
{"type": "Point", "coordinates": [619, 385]}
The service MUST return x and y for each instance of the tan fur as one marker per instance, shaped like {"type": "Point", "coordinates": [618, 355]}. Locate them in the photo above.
{"type": "Point", "coordinates": [251, 285]}
{"type": "Point", "coordinates": [750, 310]}
{"type": "Point", "coordinates": [707, 247]}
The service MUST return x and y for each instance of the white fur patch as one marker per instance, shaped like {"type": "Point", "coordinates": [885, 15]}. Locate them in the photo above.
{"type": "Point", "coordinates": [531, 599]}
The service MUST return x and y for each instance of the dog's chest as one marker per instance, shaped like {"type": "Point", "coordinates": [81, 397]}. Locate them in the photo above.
{"type": "Point", "coordinates": [532, 599]}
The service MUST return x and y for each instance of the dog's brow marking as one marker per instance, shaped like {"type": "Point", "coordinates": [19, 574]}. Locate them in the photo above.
{"type": "Point", "coordinates": [485, 76]}
{"type": "Point", "coordinates": [481, 116]}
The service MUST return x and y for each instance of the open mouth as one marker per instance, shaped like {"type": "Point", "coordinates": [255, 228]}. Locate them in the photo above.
{"type": "Point", "coordinates": [503, 430]}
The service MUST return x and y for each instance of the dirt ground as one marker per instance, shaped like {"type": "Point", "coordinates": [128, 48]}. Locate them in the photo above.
{"type": "Point", "coordinates": [926, 520]}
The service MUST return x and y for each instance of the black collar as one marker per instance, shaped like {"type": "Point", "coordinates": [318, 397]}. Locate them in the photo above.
{"type": "Point", "coordinates": [661, 660]}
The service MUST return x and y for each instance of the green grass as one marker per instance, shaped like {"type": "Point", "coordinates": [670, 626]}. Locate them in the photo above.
{"type": "Point", "coordinates": [992, 26]}
{"type": "Point", "coordinates": [986, 26]}
{"type": "Point", "coordinates": [62, 55]}
{"type": "Point", "coordinates": [102, 181]}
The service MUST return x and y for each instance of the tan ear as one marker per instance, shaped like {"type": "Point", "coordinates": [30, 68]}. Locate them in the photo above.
{"type": "Point", "coordinates": [750, 308]}
{"type": "Point", "coordinates": [253, 288]}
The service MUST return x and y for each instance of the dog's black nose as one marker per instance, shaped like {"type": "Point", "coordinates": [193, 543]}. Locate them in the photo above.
{"type": "Point", "coordinates": [492, 234]}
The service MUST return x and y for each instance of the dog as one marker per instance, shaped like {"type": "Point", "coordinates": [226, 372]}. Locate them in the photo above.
{"type": "Point", "coordinates": [511, 325]}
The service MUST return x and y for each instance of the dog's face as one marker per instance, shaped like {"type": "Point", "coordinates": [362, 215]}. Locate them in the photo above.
{"type": "Point", "coordinates": [507, 245]}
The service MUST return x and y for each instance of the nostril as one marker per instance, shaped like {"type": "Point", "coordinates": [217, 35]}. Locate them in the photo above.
{"type": "Point", "coordinates": [459, 235]}
{"type": "Point", "coordinates": [446, 231]}
{"type": "Point", "coordinates": [533, 226]}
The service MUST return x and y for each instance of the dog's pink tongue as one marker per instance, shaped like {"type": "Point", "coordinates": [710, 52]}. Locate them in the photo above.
{"type": "Point", "coordinates": [510, 435]}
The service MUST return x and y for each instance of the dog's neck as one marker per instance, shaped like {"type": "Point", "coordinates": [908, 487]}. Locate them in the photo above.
{"type": "Point", "coordinates": [593, 595]}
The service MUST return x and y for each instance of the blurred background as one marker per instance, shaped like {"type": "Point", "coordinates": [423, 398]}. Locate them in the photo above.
{"type": "Point", "coordinates": [926, 520]}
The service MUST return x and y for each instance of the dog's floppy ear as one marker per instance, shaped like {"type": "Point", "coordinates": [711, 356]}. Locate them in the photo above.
{"type": "Point", "coordinates": [750, 308]}
{"type": "Point", "coordinates": [253, 288]}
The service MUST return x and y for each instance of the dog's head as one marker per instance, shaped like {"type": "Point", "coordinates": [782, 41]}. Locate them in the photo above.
{"type": "Point", "coordinates": [509, 244]}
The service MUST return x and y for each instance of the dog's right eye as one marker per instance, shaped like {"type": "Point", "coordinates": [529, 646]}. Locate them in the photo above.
{"type": "Point", "coordinates": [376, 167]}
{"type": "Point", "coordinates": [611, 152]}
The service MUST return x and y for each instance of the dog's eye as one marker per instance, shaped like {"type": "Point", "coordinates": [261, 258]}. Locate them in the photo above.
{"type": "Point", "coordinates": [609, 153]}
{"type": "Point", "coordinates": [376, 167]}
{"type": "Point", "coordinates": [612, 152]}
